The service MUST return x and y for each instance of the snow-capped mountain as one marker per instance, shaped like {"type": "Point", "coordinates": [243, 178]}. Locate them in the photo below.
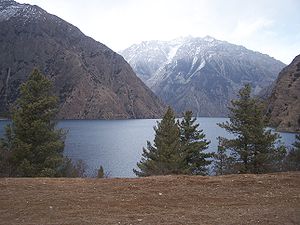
{"type": "Point", "coordinates": [10, 9]}
{"type": "Point", "coordinates": [91, 80]}
{"type": "Point", "coordinates": [200, 74]}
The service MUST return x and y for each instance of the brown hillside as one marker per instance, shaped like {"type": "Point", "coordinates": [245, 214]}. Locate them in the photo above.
{"type": "Point", "coordinates": [233, 199]}
{"type": "Point", "coordinates": [284, 103]}
{"type": "Point", "coordinates": [91, 80]}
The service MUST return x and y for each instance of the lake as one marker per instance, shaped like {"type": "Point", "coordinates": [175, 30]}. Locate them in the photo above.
{"type": "Point", "coordinates": [117, 144]}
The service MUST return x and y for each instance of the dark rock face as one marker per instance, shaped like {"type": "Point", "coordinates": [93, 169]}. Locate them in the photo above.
{"type": "Point", "coordinates": [91, 80]}
{"type": "Point", "coordinates": [284, 103]}
{"type": "Point", "coordinates": [200, 74]}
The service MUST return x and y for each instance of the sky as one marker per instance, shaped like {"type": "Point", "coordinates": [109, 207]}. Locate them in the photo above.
{"type": "Point", "coordinates": [269, 26]}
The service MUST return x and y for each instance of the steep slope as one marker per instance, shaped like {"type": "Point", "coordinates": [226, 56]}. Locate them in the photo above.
{"type": "Point", "coordinates": [200, 74]}
{"type": "Point", "coordinates": [91, 80]}
{"type": "Point", "coordinates": [284, 103]}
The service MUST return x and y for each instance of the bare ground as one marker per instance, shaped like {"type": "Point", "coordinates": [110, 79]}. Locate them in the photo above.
{"type": "Point", "coordinates": [232, 199]}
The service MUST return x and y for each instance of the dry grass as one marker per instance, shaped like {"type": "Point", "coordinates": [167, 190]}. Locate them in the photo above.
{"type": "Point", "coordinates": [233, 199]}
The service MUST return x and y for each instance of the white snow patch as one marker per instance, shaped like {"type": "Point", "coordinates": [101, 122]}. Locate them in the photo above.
{"type": "Point", "coordinates": [172, 53]}
{"type": "Point", "coordinates": [196, 71]}
{"type": "Point", "coordinates": [195, 59]}
{"type": "Point", "coordinates": [10, 11]}
{"type": "Point", "coordinates": [209, 39]}
{"type": "Point", "coordinates": [14, 9]}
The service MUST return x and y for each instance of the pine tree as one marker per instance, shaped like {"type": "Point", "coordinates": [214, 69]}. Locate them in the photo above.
{"type": "Point", "coordinates": [193, 145]}
{"type": "Point", "coordinates": [33, 145]}
{"type": "Point", "coordinates": [164, 156]}
{"type": "Point", "coordinates": [292, 160]}
{"type": "Point", "coordinates": [253, 146]}
{"type": "Point", "coordinates": [223, 164]}
{"type": "Point", "coordinates": [5, 168]}
{"type": "Point", "coordinates": [100, 172]}
{"type": "Point", "coordinates": [297, 143]}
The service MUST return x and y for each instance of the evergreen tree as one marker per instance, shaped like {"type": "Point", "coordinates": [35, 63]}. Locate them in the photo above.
{"type": "Point", "coordinates": [100, 172]}
{"type": "Point", "coordinates": [164, 156]}
{"type": "Point", "coordinates": [297, 143]}
{"type": "Point", "coordinates": [5, 167]}
{"type": "Point", "coordinates": [292, 161]}
{"type": "Point", "coordinates": [253, 147]}
{"type": "Point", "coordinates": [223, 164]}
{"type": "Point", "coordinates": [33, 147]}
{"type": "Point", "coordinates": [193, 143]}
{"type": "Point", "coordinates": [72, 169]}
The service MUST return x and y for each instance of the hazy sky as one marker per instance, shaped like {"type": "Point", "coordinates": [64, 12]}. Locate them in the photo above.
{"type": "Point", "coordinates": [268, 26]}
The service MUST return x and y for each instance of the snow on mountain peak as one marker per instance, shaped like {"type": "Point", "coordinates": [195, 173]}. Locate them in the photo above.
{"type": "Point", "coordinates": [201, 74]}
{"type": "Point", "coordinates": [7, 1]}
{"type": "Point", "coordinates": [10, 9]}
{"type": "Point", "coordinates": [180, 40]}
{"type": "Point", "coordinates": [209, 39]}
{"type": "Point", "coordinates": [152, 56]}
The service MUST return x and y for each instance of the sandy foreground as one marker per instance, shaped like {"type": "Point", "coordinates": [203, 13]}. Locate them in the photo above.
{"type": "Point", "coordinates": [231, 199]}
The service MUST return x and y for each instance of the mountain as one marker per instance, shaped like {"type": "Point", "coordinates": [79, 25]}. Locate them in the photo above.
{"type": "Point", "coordinates": [284, 103]}
{"type": "Point", "coordinates": [91, 80]}
{"type": "Point", "coordinates": [200, 74]}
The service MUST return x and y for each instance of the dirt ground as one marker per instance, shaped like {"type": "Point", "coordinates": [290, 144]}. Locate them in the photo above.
{"type": "Point", "coordinates": [232, 199]}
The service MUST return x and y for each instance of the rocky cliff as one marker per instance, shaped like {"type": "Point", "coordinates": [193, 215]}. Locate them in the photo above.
{"type": "Point", "coordinates": [91, 80]}
{"type": "Point", "coordinates": [284, 103]}
{"type": "Point", "coordinates": [200, 74]}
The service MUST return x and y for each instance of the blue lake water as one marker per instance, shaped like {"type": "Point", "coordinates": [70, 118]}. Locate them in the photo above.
{"type": "Point", "coordinates": [117, 144]}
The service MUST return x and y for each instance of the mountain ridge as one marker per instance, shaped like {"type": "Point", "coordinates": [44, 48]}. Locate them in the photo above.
{"type": "Point", "coordinates": [91, 80]}
{"type": "Point", "coordinates": [200, 74]}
